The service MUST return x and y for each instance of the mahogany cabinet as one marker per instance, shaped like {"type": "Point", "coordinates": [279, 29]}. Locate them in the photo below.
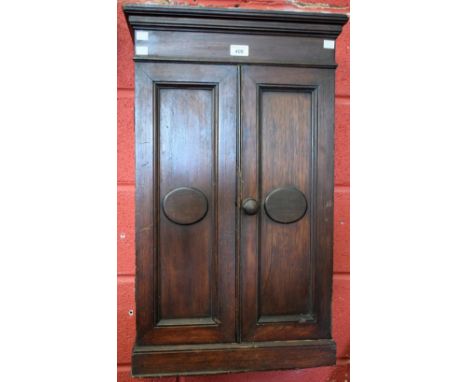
{"type": "Point", "coordinates": [234, 114]}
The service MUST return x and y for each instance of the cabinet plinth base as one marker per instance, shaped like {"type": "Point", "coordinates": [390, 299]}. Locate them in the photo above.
{"type": "Point", "coordinates": [153, 361]}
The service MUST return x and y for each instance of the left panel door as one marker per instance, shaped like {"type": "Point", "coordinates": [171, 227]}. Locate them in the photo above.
{"type": "Point", "coordinates": [185, 138]}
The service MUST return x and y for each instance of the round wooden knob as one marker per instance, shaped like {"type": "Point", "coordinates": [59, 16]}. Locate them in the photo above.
{"type": "Point", "coordinates": [250, 206]}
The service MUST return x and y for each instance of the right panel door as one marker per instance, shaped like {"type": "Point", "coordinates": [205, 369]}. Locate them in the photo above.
{"type": "Point", "coordinates": [287, 167]}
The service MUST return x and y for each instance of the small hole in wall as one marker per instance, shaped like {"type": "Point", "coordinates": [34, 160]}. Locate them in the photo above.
{"type": "Point", "coordinates": [130, 312]}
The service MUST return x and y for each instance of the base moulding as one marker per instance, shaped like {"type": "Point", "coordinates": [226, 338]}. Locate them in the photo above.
{"type": "Point", "coordinates": [171, 360]}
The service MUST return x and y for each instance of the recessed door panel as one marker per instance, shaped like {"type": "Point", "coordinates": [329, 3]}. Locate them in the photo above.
{"type": "Point", "coordinates": [186, 192]}
{"type": "Point", "coordinates": [187, 241]}
{"type": "Point", "coordinates": [283, 168]}
{"type": "Point", "coordinates": [284, 253]}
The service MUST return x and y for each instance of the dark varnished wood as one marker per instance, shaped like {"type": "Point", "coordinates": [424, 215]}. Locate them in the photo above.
{"type": "Point", "coordinates": [231, 357]}
{"type": "Point", "coordinates": [185, 205]}
{"type": "Point", "coordinates": [285, 205]}
{"type": "Point", "coordinates": [224, 283]}
{"type": "Point", "coordinates": [150, 16]}
{"type": "Point", "coordinates": [174, 45]}
{"type": "Point", "coordinates": [204, 34]}
{"type": "Point", "coordinates": [185, 137]}
{"type": "Point", "coordinates": [287, 141]}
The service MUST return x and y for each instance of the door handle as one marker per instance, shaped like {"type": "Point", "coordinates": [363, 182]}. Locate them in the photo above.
{"type": "Point", "coordinates": [250, 206]}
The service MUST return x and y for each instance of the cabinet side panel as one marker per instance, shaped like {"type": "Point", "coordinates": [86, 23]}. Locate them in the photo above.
{"type": "Point", "coordinates": [144, 200]}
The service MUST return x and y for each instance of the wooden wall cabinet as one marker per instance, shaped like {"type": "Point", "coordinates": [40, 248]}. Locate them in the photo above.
{"type": "Point", "coordinates": [234, 114]}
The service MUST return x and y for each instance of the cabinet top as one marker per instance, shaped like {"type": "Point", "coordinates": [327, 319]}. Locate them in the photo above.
{"type": "Point", "coordinates": [233, 20]}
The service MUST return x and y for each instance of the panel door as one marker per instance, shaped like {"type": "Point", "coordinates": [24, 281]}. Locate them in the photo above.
{"type": "Point", "coordinates": [186, 124]}
{"type": "Point", "coordinates": [287, 168]}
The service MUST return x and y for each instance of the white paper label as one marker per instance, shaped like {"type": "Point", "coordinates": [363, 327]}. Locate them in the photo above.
{"type": "Point", "coordinates": [141, 35]}
{"type": "Point", "coordinates": [329, 44]}
{"type": "Point", "coordinates": [141, 50]}
{"type": "Point", "coordinates": [239, 50]}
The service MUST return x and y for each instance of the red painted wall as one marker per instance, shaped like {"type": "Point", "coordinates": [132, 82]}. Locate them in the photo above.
{"type": "Point", "coordinates": [126, 207]}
